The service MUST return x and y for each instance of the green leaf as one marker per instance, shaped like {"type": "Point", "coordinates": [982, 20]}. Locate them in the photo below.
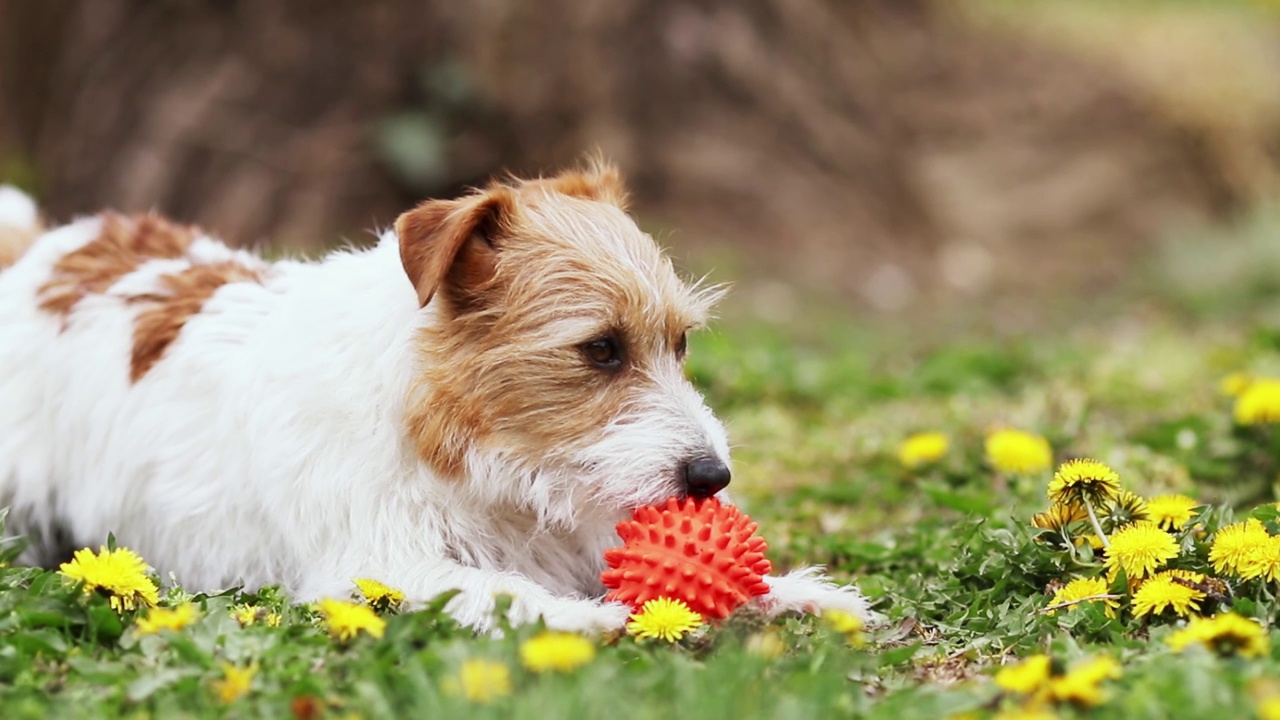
{"type": "Point", "coordinates": [897, 656]}
{"type": "Point", "coordinates": [42, 641]}
{"type": "Point", "coordinates": [966, 502]}
{"type": "Point", "coordinates": [104, 624]}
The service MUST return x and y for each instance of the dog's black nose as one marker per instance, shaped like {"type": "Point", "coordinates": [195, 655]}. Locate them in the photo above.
{"type": "Point", "coordinates": [705, 477]}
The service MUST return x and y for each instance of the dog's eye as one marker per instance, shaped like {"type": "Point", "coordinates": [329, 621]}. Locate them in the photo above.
{"type": "Point", "coordinates": [682, 346]}
{"type": "Point", "coordinates": [603, 353]}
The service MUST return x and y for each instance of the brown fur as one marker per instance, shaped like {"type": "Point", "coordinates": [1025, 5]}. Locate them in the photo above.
{"type": "Point", "coordinates": [159, 324]}
{"type": "Point", "coordinates": [597, 182]}
{"type": "Point", "coordinates": [124, 244]}
{"type": "Point", "coordinates": [563, 265]}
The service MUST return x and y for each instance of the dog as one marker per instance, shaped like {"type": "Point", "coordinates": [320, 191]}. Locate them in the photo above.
{"type": "Point", "coordinates": [471, 404]}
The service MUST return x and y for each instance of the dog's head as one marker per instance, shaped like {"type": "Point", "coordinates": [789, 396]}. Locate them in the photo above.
{"type": "Point", "coordinates": [553, 353]}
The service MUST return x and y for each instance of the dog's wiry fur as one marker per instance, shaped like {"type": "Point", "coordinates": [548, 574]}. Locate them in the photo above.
{"type": "Point", "coordinates": [421, 412]}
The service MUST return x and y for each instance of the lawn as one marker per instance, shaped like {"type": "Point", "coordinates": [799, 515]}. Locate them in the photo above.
{"type": "Point", "coordinates": [947, 547]}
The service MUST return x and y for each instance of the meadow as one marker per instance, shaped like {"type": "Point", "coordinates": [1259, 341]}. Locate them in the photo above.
{"type": "Point", "coordinates": [1163, 382]}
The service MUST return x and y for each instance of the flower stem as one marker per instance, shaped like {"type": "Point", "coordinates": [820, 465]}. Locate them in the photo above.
{"type": "Point", "coordinates": [1097, 526]}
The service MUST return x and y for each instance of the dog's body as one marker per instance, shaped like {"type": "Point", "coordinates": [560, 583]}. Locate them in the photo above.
{"type": "Point", "coordinates": [472, 404]}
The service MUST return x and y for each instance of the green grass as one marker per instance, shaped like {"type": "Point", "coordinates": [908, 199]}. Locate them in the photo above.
{"type": "Point", "coordinates": [947, 552]}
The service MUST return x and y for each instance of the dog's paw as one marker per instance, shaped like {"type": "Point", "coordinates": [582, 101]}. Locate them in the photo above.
{"type": "Point", "coordinates": [810, 591]}
{"type": "Point", "coordinates": [581, 616]}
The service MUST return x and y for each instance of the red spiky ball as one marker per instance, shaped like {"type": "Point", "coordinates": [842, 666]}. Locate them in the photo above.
{"type": "Point", "coordinates": [701, 552]}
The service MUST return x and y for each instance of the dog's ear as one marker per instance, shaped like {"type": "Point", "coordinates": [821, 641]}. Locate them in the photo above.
{"type": "Point", "coordinates": [454, 242]}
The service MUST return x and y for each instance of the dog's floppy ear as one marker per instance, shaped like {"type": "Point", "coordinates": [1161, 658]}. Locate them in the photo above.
{"type": "Point", "coordinates": [454, 241]}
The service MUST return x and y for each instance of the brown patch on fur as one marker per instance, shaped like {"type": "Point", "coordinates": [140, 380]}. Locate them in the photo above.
{"type": "Point", "coordinates": [160, 323]}
{"type": "Point", "coordinates": [124, 244]}
{"type": "Point", "coordinates": [507, 370]}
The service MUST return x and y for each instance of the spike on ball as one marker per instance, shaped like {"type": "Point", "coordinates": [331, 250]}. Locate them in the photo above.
{"type": "Point", "coordinates": [701, 552]}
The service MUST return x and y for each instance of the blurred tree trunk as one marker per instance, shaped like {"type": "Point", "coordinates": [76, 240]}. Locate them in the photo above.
{"type": "Point", "coordinates": [830, 138]}
{"type": "Point", "coordinates": [251, 117]}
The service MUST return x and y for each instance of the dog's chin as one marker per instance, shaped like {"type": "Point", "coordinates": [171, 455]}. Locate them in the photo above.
{"type": "Point", "coordinates": [623, 501]}
{"type": "Point", "coordinates": [657, 497]}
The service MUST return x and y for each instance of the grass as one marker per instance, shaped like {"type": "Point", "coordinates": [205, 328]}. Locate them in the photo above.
{"type": "Point", "coordinates": [947, 550]}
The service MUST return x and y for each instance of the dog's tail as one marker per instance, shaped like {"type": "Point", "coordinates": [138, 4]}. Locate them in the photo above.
{"type": "Point", "coordinates": [19, 224]}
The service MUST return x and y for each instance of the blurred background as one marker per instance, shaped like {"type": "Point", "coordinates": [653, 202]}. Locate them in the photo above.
{"type": "Point", "coordinates": [873, 157]}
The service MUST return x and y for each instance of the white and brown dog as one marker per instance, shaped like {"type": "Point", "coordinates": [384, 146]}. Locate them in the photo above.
{"type": "Point", "coordinates": [471, 404]}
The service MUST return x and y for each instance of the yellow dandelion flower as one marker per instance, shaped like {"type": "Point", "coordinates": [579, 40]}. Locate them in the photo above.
{"type": "Point", "coordinates": [1015, 451]}
{"type": "Point", "coordinates": [1259, 403]}
{"type": "Point", "coordinates": [480, 681]}
{"type": "Point", "coordinates": [1081, 480]}
{"type": "Point", "coordinates": [664, 619]}
{"type": "Point", "coordinates": [1059, 517]}
{"type": "Point", "coordinates": [843, 622]}
{"type": "Point", "coordinates": [1263, 562]}
{"type": "Point", "coordinates": [1077, 590]}
{"type": "Point", "coordinates": [247, 615]}
{"type": "Point", "coordinates": [847, 624]}
{"type": "Point", "coordinates": [1031, 711]}
{"type": "Point", "coordinates": [165, 619]}
{"type": "Point", "coordinates": [119, 573]}
{"type": "Point", "coordinates": [1171, 512]}
{"type": "Point", "coordinates": [1126, 507]}
{"type": "Point", "coordinates": [235, 682]}
{"type": "Point", "coordinates": [1027, 677]}
{"type": "Point", "coordinates": [766, 644]}
{"type": "Point", "coordinates": [558, 651]}
{"type": "Point", "coordinates": [923, 448]}
{"type": "Point", "coordinates": [1269, 708]}
{"type": "Point", "coordinates": [1226, 634]}
{"type": "Point", "coordinates": [1139, 549]}
{"type": "Point", "coordinates": [1235, 383]}
{"type": "Point", "coordinates": [380, 597]}
{"type": "Point", "coordinates": [1163, 591]}
{"type": "Point", "coordinates": [1082, 685]}
{"type": "Point", "coordinates": [1235, 546]}
{"type": "Point", "coordinates": [1094, 542]}
{"type": "Point", "coordinates": [345, 620]}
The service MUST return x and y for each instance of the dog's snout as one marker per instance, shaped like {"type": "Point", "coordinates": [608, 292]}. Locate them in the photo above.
{"type": "Point", "coordinates": [705, 477]}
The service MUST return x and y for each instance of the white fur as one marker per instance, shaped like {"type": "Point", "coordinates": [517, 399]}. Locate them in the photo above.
{"type": "Point", "coordinates": [268, 446]}
{"type": "Point", "coordinates": [17, 210]}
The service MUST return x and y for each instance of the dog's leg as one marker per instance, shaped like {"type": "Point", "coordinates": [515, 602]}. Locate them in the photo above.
{"type": "Point", "coordinates": [810, 591]}
{"type": "Point", "coordinates": [474, 605]}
